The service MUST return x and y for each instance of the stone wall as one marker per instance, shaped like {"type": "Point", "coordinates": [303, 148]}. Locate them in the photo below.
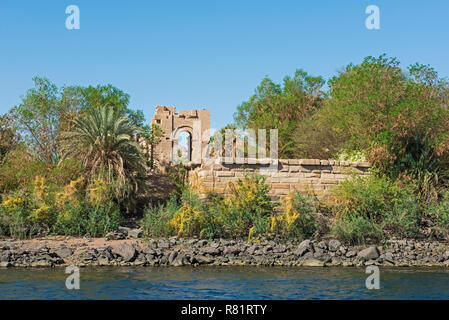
{"type": "Point", "coordinates": [308, 176]}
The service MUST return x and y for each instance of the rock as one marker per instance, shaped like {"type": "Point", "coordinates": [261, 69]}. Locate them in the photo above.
{"type": "Point", "coordinates": [446, 255]}
{"type": "Point", "coordinates": [5, 264]}
{"type": "Point", "coordinates": [252, 249]}
{"type": "Point", "coordinates": [126, 251]}
{"type": "Point", "coordinates": [135, 233]}
{"type": "Point", "coordinates": [204, 260]}
{"type": "Point", "coordinates": [5, 257]}
{"type": "Point", "coordinates": [280, 249]}
{"type": "Point", "coordinates": [173, 240]}
{"type": "Point", "coordinates": [116, 235]}
{"type": "Point", "coordinates": [201, 243]}
{"type": "Point", "coordinates": [149, 250]}
{"type": "Point", "coordinates": [172, 257]}
{"type": "Point", "coordinates": [64, 252]}
{"type": "Point", "coordinates": [42, 263]}
{"type": "Point", "coordinates": [322, 245]}
{"type": "Point", "coordinates": [231, 250]}
{"type": "Point", "coordinates": [103, 260]}
{"type": "Point", "coordinates": [318, 253]}
{"type": "Point", "coordinates": [163, 244]}
{"type": "Point", "coordinates": [389, 257]}
{"type": "Point", "coordinates": [210, 250]}
{"type": "Point", "coordinates": [311, 262]}
{"type": "Point", "coordinates": [304, 247]}
{"type": "Point", "coordinates": [215, 244]}
{"type": "Point", "coordinates": [181, 260]}
{"type": "Point", "coordinates": [334, 245]}
{"type": "Point", "coordinates": [370, 253]}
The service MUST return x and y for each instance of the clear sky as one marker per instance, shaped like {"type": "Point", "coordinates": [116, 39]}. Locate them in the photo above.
{"type": "Point", "coordinates": [210, 54]}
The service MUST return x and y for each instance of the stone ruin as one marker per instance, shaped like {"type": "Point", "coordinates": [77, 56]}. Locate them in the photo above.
{"type": "Point", "coordinates": [310, 176]}
{"type": "Point", "coordinates": [195, 122]}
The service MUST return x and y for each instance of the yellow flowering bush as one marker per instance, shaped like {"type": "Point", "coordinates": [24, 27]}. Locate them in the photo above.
{"type": "Point", "coordinates": [98, 192]}
{"type": "Point", "coordinates": [188, 221]}
{"type": "Point", "coordinates": [71, 193]}
{"type": "Point", "coordinates": [12, 202]}
{"type": "Point", "coordinates": [297, 218]}
{"type": "Point", "coordinates": [249, 193]}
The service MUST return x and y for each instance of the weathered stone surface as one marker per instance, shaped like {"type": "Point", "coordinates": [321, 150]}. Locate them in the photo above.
{"type": "Point", "coordinates": [334, 245]}
{"type": "Point", "coordinates": [135, 233]}
{"type": "Point", "coordinates": [305, 246]}
{"type": "Point", "coordinates": [126, 251]}
{"type": "Point", "coordinates": [369, 253]}
{"type": "Point", "coordinates": [117, 235]}
{"type": "Point", "coordinates": [318, 176]}
{"type": "Point", "coordinates": [170, 121]}
{"type": "Point", "coordinates": [64, 252]}
{"type": "Point", "coordinates": [225, 252]}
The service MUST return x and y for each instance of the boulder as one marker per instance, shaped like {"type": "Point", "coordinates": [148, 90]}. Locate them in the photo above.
{"type": "Point", "coordinates": [305, 246]}
{"type": "Point", "coordinates": [322, 245]}
{"type": "Point", "coordinates": [172, 257]}
{"type": "Point", "coordinates": [126, 251]}
{"type": "Point", "coordinates": [64, 252]}
{"type": "Point", "coordinates": [135, 233]}
{"type": "Point", "coordinates": [446, 255]}
{"type": "Point", "coordinates": [334, 245]}
{"type": "Point", "coordinates": [370, 253]}
{"type": "Point", "coordinates": [116, 235]}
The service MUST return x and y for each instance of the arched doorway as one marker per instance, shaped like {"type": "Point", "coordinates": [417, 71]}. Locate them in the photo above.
{"type": "Point", "coordinates": [182, 146]}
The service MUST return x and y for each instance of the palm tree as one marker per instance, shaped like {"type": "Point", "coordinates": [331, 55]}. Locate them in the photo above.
{"type": "Point", "coordinates": [103, 141]}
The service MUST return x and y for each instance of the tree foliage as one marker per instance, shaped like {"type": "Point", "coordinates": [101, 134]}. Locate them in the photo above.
{"type": "Point", "coordinates": [103, 141]}
{"type": "Point", "coordinates": [281, 107]}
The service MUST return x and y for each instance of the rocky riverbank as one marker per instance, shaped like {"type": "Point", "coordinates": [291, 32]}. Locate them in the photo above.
{"type": "Point", "coordinates": [124, 250]}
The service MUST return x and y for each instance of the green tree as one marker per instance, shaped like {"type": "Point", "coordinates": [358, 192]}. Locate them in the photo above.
{"type": "Point", "coordinates": [46, 111]}
{"type": "Point", "coordinates": [281, 107]}
{"type": "Point", "coordinates": [42, 115]}
{"type": "Point", "coordinates": [9, 138]}
{"type": "Point", "coordinates": [153, 135]}
{"type": "Point", "coordinates": [399, 119]}
{"type": "Point", "coordinates": [103, 140]}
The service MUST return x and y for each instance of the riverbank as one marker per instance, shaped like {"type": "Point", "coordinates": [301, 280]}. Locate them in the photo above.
{"type": "Point", "coordinates": [129, 251]}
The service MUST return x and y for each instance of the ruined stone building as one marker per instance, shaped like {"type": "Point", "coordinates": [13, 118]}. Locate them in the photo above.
{"type": "Point", "coordinates": [194, 123]}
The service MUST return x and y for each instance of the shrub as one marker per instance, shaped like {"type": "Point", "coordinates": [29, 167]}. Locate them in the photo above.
{"type": "Point", "coordinates": [82, 219]}
{"type": "Point", "coordinates": [354, 230]}
{"type": "Point", "coordinates": [297, 219]}
{"type": "Point", "coordinates": [71, 220]}
{"type": "Point", "coordinates": [156, 220]}
{"type": "Point", "coordinates": [102, 219]}
{"type": "Point", "coordinates": [246, 207]}
{"type": "Point", "coordinates": [250, 193]}
{"type": "Point", "coordinates": [439, 214]}
{"type": "Point", "coordinates": [369, 204]}
{"type": "Point", "coordinates": [15, 217]}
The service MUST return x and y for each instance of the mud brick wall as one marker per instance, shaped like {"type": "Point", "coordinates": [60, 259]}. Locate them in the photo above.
{"type": "Point", "coordinates": [308, 176]}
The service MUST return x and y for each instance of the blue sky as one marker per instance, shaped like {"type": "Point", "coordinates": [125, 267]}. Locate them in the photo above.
{"type": "Point", "coordinates": [212, 54]}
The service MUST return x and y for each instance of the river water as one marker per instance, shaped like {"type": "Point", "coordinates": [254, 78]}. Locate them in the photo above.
{"type": "Point", "coordinates": [224, 283]}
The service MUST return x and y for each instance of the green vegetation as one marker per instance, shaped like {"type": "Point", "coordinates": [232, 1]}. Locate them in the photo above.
{"type": "Point", "coordinates": [243, 211]}
{"type": "Point", "coordinates": [80, 167]}
{"type": "Point", "coordinates": [81, 170]}
{"type": "Point", "coordinates": [396, 119]}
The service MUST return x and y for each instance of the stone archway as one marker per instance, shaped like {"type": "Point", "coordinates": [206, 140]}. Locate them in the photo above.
{"type": "Point", "coordinates": [195, 122]}
{"type": "Point", "coordinates": [182, 145]}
